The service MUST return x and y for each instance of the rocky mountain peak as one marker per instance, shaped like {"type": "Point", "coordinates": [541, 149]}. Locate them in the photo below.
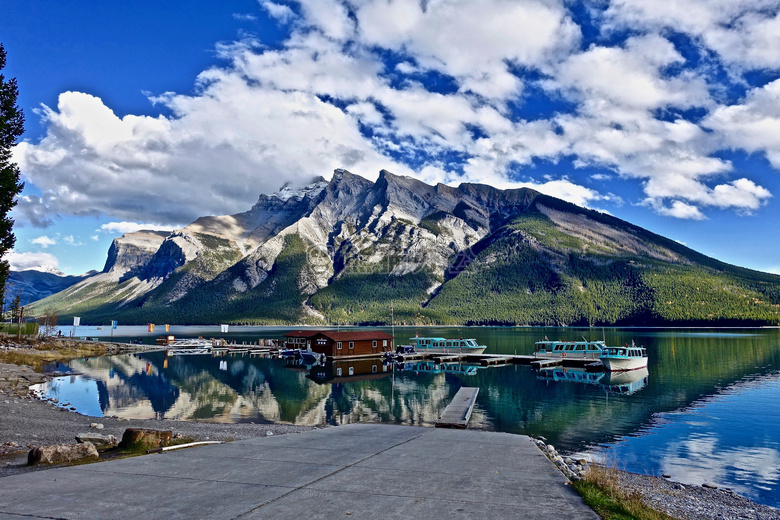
{"type": "Point", "coordinates": [133, 251]}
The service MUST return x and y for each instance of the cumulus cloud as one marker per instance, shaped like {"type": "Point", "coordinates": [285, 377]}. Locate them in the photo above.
{"type": "Point", "coordinates": [43, 241]}
{"type": "Point", "coordinates": [745, 34]}
{"type": "Point", "coordinates": [754, 124]}
{"type": "Point", "coordinates": [475, 41]}
{"type": "Point", "coordinates": [279, 11]}
{"type": "Point", "coordinates": [39, 261]}
{"type": "Point", "coordinates": [119, 228]}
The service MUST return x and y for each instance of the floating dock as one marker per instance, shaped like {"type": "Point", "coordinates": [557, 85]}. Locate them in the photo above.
{"type": "Point", "coordinates": [439, 358]}
{"type": "Point", "coordinates": [458, 412]}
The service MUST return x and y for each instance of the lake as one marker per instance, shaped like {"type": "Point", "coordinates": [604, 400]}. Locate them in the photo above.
{"type": "Point", "coordinates": [707, 409]}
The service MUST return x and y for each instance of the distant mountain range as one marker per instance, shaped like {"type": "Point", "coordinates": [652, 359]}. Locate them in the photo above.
{"type": "Point", "coordinates": [33, 285]}
{"type": "Point", "coordinates": [349, 250]}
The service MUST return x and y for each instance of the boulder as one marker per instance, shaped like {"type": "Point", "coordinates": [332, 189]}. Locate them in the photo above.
{"type": "Point", "coordinates": [144, 439]}
{"type": "Point", "coordinates": [99, 440]}
{"type": "Point", "coordinates": [60, 453]}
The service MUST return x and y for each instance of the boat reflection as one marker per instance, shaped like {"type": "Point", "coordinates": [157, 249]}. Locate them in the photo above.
{"type": "Point", "coordinates": [574, 375]}
{"type": "Point", "coordinates": [625, 383]}
{"type": "Point", "coordinates": [436, 368]}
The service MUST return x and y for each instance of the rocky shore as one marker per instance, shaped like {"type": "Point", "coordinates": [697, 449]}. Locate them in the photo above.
{"type": "Point", "coordinates": [28, 422]}
{"type": "Point", "coordinates": [677, 500]}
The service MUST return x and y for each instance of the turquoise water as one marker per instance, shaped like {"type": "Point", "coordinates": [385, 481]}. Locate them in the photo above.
{"type": "Point", "coordinates": [706, 410]}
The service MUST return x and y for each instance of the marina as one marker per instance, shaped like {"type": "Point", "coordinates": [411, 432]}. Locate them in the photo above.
{"type": "Point", "coordinates": [682, 417]}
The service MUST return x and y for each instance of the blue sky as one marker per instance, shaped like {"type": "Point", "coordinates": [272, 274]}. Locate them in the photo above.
{"type": "Point", "coordinates": [151, 114]}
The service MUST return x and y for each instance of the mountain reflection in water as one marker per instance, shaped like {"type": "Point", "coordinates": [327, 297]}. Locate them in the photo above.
{"type": "Point", "coordinates": [684, 415]}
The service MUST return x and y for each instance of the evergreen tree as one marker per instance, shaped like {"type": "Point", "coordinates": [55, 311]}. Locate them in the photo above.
{"type": "Point", "coordinates": [11, 128]}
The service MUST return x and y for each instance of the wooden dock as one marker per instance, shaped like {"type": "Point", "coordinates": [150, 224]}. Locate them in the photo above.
{"type": "Point", "coordinates": [543, 363]}
{"type": "Point", "coordinates": [458, 412]}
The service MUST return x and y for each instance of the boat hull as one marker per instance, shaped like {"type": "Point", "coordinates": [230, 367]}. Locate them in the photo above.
{"type": "Point", "coordinates": [621, 364]}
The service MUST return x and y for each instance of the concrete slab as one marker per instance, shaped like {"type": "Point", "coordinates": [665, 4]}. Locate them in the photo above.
{"type": "Point", "coordinates": [366, 470]}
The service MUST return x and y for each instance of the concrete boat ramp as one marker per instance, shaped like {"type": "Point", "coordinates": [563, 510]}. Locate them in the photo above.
{"type": "Point", "coordinates": [356, 471]}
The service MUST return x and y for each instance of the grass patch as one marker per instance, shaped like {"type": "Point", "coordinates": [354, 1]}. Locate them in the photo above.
{"type": "Point", "coordinates": [42, 354]}
{"type": "Point", "coordinates": [602, 492]}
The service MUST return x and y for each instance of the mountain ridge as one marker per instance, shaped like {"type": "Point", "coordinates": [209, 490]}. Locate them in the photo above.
{"type": "Point", "coordinates": [345, 250]}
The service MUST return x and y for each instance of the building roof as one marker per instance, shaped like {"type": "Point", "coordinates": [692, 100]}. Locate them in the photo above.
{"type": "Point", "coordinates": [350, 335]}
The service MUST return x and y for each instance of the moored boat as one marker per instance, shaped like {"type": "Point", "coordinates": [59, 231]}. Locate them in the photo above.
{"type": "Point", "coordinates": [437, 345]}
{"type": "Point", "coordinates": [627, 357]}
{"type": "Point", "coordinates": [572, 349]}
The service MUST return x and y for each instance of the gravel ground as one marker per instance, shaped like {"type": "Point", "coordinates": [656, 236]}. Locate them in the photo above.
{"type": "Point", "coordinates": [695, 502]}
{"type": "Point", "coordinates": [27, 422]}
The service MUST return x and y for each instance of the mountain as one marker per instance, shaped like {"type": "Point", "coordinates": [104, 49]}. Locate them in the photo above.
{"type": "Point", "coordinates": [346, 250]}
{"type": "Point", "coordinates": [32, 284]}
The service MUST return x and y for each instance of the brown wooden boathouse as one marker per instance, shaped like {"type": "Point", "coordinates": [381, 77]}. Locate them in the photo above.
{"type": "Point", "coordinates": [341, 344]}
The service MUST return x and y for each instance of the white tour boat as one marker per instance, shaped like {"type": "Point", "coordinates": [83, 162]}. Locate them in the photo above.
{"type": "Point", "coordinates": [447, 346]}
{"type": "Point", "coordinates": [571, 349]}
{"type": "Point", "coordinates": [627, 357]}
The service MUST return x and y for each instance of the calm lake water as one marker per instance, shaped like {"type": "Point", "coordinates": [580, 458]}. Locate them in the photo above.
{"type": "Point", "coordinates": [706, 410]}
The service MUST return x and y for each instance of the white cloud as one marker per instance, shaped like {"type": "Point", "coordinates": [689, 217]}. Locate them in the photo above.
{"type": "Point", "coordinates": [244, 17]}
{"type": "Point", "coordinates": [280, 12]}
{"type": "Point", "coordinates": [43, 241]}
{"type": "Point", "coordinates": [119, 228]}
{"type": "Point", "coordinates": [745, 34]}
{"type": "Point", "coordinates": [567, 190]}
{"type": "Point", "coordinates": [328, 98]}
{"type": "Point", "coordinates": [474, 41]}
{"type": "Point", "coordinates": [329, 16]}
{"type": "Point", "coordinates": [754, 124]}
{"type": "Point", "coordinates": [681, 210]}
{"type": "Point", "coordinates": [39, 261]}
{"type": "Point", "coordinates": [615, 78]}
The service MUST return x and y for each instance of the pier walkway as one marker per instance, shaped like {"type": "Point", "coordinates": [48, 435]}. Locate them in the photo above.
{"type": "Point", "coordinates": [356, 471]}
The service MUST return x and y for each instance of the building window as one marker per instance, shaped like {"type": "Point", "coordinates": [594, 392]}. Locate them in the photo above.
{"type": "Point", "coordinates": [373, 344]}
{"type": "Point", "coordinates": [338, 371]}
{"type": "Point", "coordinates": [373, 369]}
{"type": "Point", "coordinates": [338, 346]}
{"type": "Point", "coordinates": [351, 345]}
{"type": "Point", "coordinates": [384, 342]}
{"type": "Point", "coordinates": [352, 371]}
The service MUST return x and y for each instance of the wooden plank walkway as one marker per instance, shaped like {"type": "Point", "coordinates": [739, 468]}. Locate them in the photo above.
{"type": "Point", "coordinates": [542, 363]}
{"type": "Point", "coordinates": [497, 360]}
{"type": "Point", "coordinates": [447, 358]}
{"type": "Point", "coordinates": [458, 412]}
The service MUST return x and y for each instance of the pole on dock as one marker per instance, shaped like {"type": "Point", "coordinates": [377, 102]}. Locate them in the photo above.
{"type": "Point", "coordinates": [392, 322]}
